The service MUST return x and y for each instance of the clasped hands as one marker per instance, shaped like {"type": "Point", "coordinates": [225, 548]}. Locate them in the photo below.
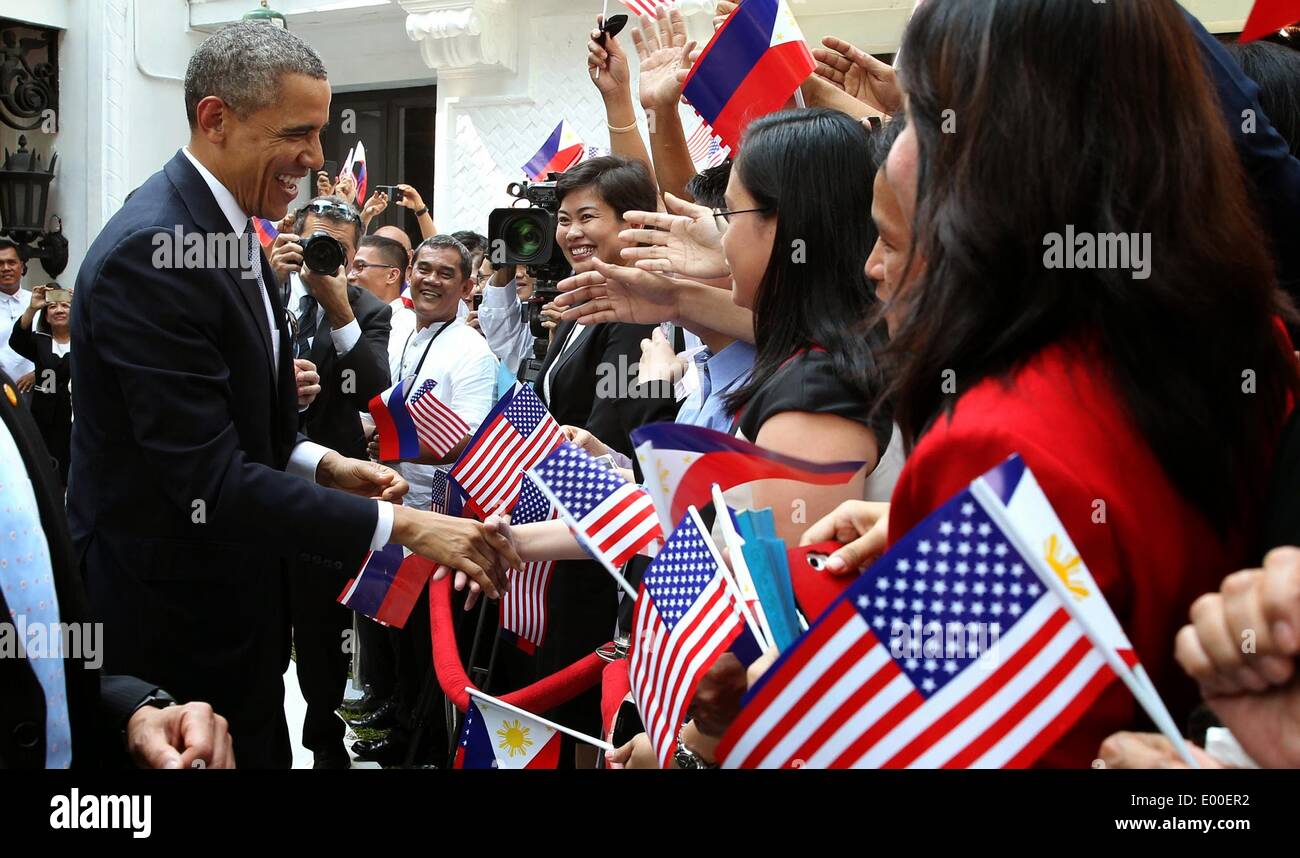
{"type": "Point", "coordinates": [479, 553]}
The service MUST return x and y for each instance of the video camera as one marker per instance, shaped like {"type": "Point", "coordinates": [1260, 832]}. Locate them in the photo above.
{"type": "Point", "coordinates": [525, 235]}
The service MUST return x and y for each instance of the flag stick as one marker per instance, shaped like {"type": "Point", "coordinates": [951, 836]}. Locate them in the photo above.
{"type": "Point", "coordinates": [581, 737]}
{"type": "Point", "coordinates": [798, 98]}
{"type": "Point", "coordinates": [604, 14]}
{"type": "Point", "coordinates": [581, 537]}
{"type": "Point", "coordinates": [726, 575]}
{"type": "Point", "coordinates": [739, 569]}
{"type": "Point", "coordinates": [1144, 693]}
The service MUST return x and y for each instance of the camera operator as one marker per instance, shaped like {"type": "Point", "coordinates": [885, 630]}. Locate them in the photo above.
{"type": "Point", "coordinates": [353, 365]}
{"type": "Point", "coordinates": [503, 315]}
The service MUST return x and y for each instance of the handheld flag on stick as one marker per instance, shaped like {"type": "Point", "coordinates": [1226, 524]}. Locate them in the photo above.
{"type": "Point", "coordinates": [523, 607]}
{"type": "Point", "coordinates": [612, 518]}
{"type": "Point", "coordinates": [686, 615]}
{"type": "Point", "coordinates": [440, 428]}
{"type": "Point", "coordinates": [399, 438]}
{"type": "Point", "coordinates": [266, 231]}
{"type": "Point", "coordinates": [503, 736]}
{"type": "Point", "coordinates": [751, 67]}
{"type": "Point", "coordinates": [517, 434]}
{"type": "Point", "coordinates": [562, 150]}
{"type": "Point", "coordinates": [387, 586]}
{"type": "Point", "coordinates": [952, 651]}
{"type": "Point", "coordinates": [681, 463]}
{"type": "Point", "coordinates": [359, 172]}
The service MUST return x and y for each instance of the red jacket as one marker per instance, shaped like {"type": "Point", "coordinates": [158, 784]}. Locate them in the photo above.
{"type": "Point", "coordinates": [1153, 554]}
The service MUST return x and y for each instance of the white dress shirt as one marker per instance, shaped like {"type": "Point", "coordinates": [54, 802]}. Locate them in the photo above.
{"type": "Point", "coordinates": [306, 456]}
{"type": "Point", "coordinates": [12, 308]}
{"type": "Point", "coordinates": [502, 320]}
{"type": "Point", "coordinates": [345, 338]}
{"type": "Point", "coordinates": [465, 371]}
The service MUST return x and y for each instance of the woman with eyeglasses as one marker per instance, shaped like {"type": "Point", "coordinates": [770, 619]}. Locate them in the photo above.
{"type": "Point", "coordinates": [43, 335]}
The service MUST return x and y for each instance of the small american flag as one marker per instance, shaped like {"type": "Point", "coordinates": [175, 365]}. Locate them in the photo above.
{"type": "Point", "coordinates": [686, 616]}
{"type": "Point", "coordinates": [648, 8]}
{"type": "Point", "coordinates": [949, 652]}
{"type": "Point", "coordinates": [523, 607]}
{"type": "Point", "coordinates": [612, 518]}
{"type": "Point", "coordinates": [704, 148]}
{"type": "Point", "coordinates": [517, 434]}
{"type": "Point", "coordinates": [438, 491]}
{"type": "Point", "coordinates": [440, 428]}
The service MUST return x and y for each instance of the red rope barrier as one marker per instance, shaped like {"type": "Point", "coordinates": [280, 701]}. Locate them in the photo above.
{"type": "Point", "coordinates": [542, 695]}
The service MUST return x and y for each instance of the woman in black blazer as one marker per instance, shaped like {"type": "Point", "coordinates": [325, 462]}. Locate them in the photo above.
{"type": "Point", "coordinates": [586, 378]}
{"type": "Point", "coordinates": [43, 335]}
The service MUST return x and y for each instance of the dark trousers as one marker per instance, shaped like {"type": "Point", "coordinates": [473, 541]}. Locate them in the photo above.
{"type": "Point", "coordinates": [378, 662]}
{"type": "Point", "coordinates": [321, 634]}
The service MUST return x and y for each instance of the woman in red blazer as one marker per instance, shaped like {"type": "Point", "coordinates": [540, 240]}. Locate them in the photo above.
{"type": "Point", "coordinates": [1146, 395]}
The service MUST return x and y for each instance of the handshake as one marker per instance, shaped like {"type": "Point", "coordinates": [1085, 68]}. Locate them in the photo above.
{"type": "Point", "coordinates": [479, 553]}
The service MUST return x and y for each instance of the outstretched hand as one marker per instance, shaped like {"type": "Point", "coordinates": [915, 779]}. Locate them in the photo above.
{"type": "Point", "coordinates": [686, 240]}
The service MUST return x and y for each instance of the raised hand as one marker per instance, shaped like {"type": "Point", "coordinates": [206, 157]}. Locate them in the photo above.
{"type": "Point", "coordinates": [686, 241]}
{"type": "Point", "coordinates": [324, 187]}
{"type": "Point", "coordinates": [863, 528]}
{"type": "Point", "coordinates": [721, 12]}
{"type": "Point", "coordinates": [608, 65]}
{"type": "Point", "coordinates": [663, 49]}
{"type": "Point", "coordinates": [374, 206]}
{"type": "Point", "coordinates": [859, 74]}
{"type": "Point", "coordinates": [615, 293]}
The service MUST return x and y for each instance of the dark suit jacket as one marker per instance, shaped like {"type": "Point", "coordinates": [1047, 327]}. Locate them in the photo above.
{"type": "Point", "coordinates": [334, 418]}
{"type": "Point", "coordinates": [180, 510]}
{"type": "Point", "coordinates": [51, 397]}
{"type": "Point", "coordinates": [98, 705]}
{"type": "Point", "coordinates": [581, 386]}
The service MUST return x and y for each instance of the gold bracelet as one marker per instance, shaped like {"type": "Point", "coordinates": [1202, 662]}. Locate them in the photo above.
{"type": "Point", "coordinates": [622, 130]}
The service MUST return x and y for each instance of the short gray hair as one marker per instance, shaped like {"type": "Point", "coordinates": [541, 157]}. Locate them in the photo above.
{"type": "Point", "coordinates": [242, 65]}
{"type": "Point", "coordinates": [449, 242]}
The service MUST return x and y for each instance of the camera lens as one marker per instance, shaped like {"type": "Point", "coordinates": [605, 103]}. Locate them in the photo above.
{"type": "Point", "coordinates": [524, 237]}
{"type": "Point", "coordinates": [322, 253]}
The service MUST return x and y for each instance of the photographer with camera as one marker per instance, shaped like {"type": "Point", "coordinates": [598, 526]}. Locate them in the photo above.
{"type": "Point", "coordinates": [43, 335]}
{"type": "Point", "coordinates": [343, 329]}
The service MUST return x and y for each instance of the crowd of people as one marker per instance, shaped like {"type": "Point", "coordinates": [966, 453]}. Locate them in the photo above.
{"type": "Point", "coordinates": [871, 268]}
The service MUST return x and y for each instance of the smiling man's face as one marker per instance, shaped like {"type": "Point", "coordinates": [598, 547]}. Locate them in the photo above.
{"type": "Point", "coordinates": [261, 157]}
{"type": "Point", "coordinates": [437, 285]}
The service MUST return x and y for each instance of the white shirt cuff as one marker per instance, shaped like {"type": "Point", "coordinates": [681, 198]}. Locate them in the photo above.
{"type": "Point", "coordinates": [383, 526]}
{"type": "Point", "coordinates": [305, 459]}
{"type": "Point", "coordinates": [345, 338]}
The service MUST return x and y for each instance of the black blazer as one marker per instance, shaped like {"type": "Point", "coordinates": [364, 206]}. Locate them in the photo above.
{"type": "Point", "coordinates": [51, 395]}
{"type": "Point", "coordinates": [180, 510]}
{"type": "Point", "coordinates": [349, 383]}
{"type": "Point", "coordinates": [98, 705]}
{"type": "Point", "coordinates": [580, 388]}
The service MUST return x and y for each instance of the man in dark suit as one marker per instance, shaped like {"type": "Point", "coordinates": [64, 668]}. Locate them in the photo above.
{"type": "Point", "coordinates": [56, 708]}
{"type": "Point", "coordinates": [190, 485]}
{"type": "Point", "coordinates": [343, 330]}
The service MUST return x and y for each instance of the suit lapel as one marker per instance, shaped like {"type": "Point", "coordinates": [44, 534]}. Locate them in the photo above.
{"type": "Point", "coordinates": [565, 357]}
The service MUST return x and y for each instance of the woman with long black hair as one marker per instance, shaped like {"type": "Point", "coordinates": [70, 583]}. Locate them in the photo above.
{"type": "Point", "coordinates": [1146, 394]}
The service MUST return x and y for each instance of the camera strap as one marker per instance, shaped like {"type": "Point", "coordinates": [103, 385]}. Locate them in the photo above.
{"type": "Point", "coordinates": [420, 365]}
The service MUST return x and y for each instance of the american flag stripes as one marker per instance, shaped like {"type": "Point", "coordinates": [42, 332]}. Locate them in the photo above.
{"type": "Point", "coordinates": [704, 148]}
{"type": "Point", "coordinates": [648, 8]}
{"type": "Point", "coordinates": [517, 434]}
{"type": "Point", "coordinates": [440, 428]}
{"type": "Point", "coordinates": [523, 607]}
{"type": "Point", "coordinates": [686, 616]}
{"type": "Point", "coordinates": [949, 652]}
{"type": "Point", "coordinates": [612, 518]}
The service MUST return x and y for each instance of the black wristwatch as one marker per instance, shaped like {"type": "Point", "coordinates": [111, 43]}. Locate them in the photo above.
{"type": "Point", "coordinates": [422, 212]}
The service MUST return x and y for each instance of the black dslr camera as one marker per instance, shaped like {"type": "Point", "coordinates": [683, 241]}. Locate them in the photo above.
{"type": "Point", "coordinates": [322, 253]}
{"type": "Point", "coordinates": [525, 235]}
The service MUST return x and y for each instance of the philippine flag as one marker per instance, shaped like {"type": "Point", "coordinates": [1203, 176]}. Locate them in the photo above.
{"type": "Point", "coordinates": [751, 67]}
{"type": "Point", "coordinates": [266, 231]}
{"type": "Point", "coordinates": [561, 151]}
{"type": "Point", "coordinates": [387, 586]}
{"type": "Point", "coordinates": [398, 436]}
{"type": "Point", "coordinates": [498, 738]}
{"type": "Point", "coordinates": [681, 463]}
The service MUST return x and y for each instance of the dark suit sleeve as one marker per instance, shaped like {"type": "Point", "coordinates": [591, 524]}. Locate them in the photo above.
{"type": "Point", "coordinates": [159, 330]}
{"type": "Point", "coordinates": [119, 696]}
{"type": "Point", "coordinates": [368, 359]}
{"type": "Point", "coordinates": [22, 340]}
{"type": "Point", "coordinates": [613, 418]}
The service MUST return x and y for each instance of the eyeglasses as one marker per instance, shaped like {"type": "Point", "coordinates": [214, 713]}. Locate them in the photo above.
{"type": "Point", "coordinates": [330, 209]}
{"type": "Point", "coordinates": [360, 266]}
{"type": "Point", "coordinates": [726, 215]}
